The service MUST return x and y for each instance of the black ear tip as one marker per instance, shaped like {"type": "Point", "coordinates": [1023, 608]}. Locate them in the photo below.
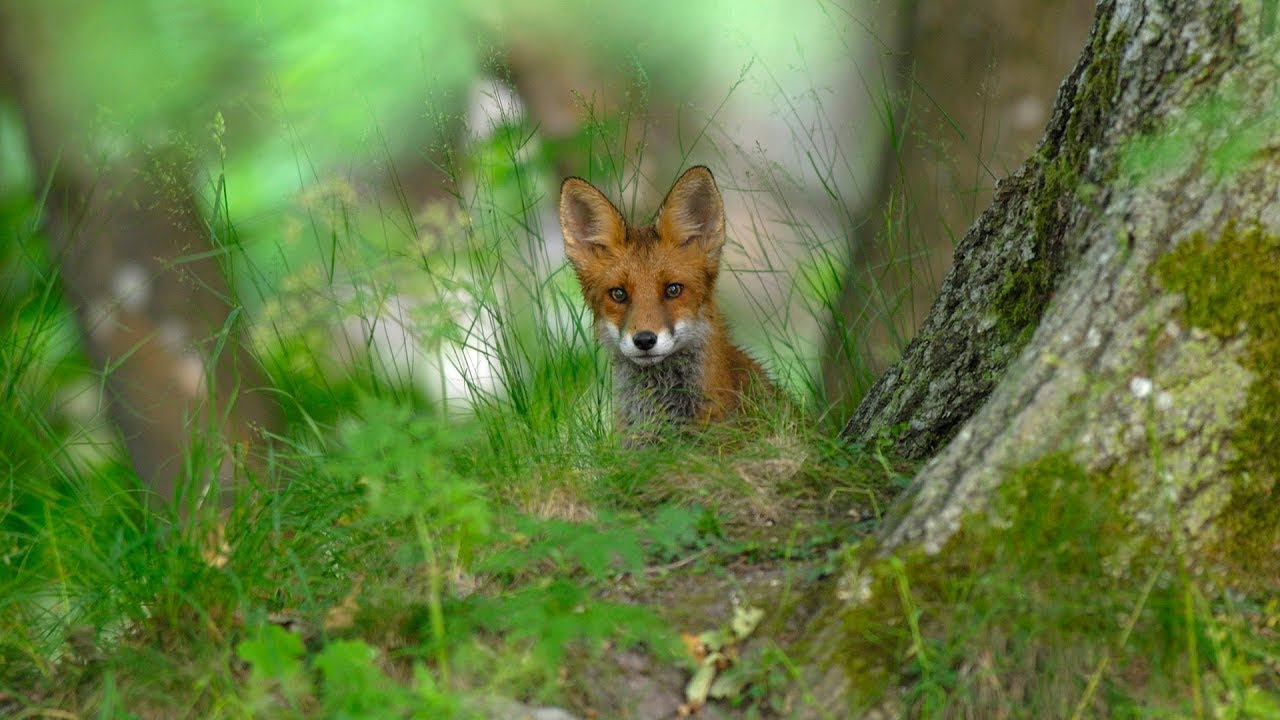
{"type": "Point", "coordinates": [700, 172]}
{"type": "Point", "coordinates": [698, 179]}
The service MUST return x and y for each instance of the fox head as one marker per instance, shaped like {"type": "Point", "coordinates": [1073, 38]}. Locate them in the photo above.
{"type": "Point", "coordinates": [650, 288]}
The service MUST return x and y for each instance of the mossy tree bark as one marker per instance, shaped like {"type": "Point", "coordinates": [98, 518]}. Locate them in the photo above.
{"type": "Point", "coordinates": [1110, 333]}
{"type": "Point", "coordinates": [969, 88]}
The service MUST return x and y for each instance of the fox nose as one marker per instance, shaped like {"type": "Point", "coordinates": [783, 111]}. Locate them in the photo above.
{"type": "Point", "coordinates": [645, 340]}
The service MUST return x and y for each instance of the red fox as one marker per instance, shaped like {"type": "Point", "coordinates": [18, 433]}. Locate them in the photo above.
{"type": "Point", "coordinates": [651, 290]}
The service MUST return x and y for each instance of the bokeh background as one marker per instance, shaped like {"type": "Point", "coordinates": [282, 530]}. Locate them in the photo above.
{"type": "Point", "coordinates": [232, 216]}
{"type": "Point", "coordinates": [301, 414]}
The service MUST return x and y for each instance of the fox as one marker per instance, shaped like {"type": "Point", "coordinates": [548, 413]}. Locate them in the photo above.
{"type": "Point", "coordinates": [651, 291]}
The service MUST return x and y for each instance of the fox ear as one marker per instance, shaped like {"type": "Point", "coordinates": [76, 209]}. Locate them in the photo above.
{"type": "Point", "coordinates": [589, 221]}
{"type": "Point", "coordinates": [694, 212]}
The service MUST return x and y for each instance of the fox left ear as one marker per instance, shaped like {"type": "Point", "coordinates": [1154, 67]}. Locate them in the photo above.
{"type": "Point", "coordinates": [694, 212]}
{"type": "Point", "coordinates": [591, 224]}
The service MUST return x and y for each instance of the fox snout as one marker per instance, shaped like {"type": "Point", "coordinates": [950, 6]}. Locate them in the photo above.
{"type": "Point", "coordinates": [645, 340]}
{"type": "Point", "coordinates": [648, 347]}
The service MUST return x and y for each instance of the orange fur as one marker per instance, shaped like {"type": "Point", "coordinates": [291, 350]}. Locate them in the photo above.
{"type": "Point", "coordinates": [651, 290]}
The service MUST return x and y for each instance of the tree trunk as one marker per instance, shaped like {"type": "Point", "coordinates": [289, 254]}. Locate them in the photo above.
{"type": "Point", "coordinates": [137, 263]}
{"type": "Point", "coordinates": [969, 91]}
{"type": "Point", "coordinates": [1102, 360]}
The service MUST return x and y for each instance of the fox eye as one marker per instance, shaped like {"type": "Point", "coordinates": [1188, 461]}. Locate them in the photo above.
{"type": "Point", "coordinates": [674, 290]}
{"type": "Point", "coordinates": [618, 295]}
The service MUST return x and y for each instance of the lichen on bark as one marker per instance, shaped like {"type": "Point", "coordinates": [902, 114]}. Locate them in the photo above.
{"type": "Point", "coordinates": [1231, 287]}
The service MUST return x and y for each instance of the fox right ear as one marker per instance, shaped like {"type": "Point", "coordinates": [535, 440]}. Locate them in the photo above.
{"type": "Point", "coordinates": [694, 212]}
{"type": "Point", "coordinates": [589, 221]}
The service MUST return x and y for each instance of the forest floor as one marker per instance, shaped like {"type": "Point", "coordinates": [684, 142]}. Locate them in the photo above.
{"type": "Point", "coordinates": [403, 569]}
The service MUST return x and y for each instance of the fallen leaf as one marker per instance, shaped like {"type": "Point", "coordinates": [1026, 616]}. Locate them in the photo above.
{"type": "Point", "coordinates": [745, 621]}
{"type": "Point", "coordinates": [694, 645]}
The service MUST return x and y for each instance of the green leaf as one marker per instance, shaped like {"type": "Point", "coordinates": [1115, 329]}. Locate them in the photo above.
{"type": "Point", "coordinates": [274, 654]}
{"type": "Point", "coordinates": [354, 686]}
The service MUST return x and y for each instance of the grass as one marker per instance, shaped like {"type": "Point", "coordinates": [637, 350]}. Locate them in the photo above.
{"type": "Point", "coordinates": [447, 520]}
{"type": "Point", "coordinates": [447, 516]}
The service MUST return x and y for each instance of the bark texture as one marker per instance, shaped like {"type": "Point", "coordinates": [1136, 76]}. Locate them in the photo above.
{"type": "Point", "coordinates": [1013, 258]}
{"type": "Point", "coordinates": [1067, 329]}
{"type": "Point", "coordinates": [970, 87]}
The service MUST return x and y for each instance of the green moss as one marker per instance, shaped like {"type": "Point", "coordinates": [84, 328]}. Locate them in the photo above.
{"type": "Point", "coordinates": [1232, 285]}
{"type": "Point", "coordinates": [1028, 287]}
{"type": "Point", "coordinates": [1022, 299]}
{"type": "Point", "coordinates": [1021, 607]}
{"type": "Point", "coordinates": [1054, 583]}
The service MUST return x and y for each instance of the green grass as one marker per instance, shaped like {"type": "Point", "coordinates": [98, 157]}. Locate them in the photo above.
{"type": "Point", "coordinates": [401, 551]}
{"type": "Point", "coordinates": [426, 534]}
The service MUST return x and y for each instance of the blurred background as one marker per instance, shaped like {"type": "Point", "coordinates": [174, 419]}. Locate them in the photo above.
{"type": "Point", "coordinates": [224, 220]}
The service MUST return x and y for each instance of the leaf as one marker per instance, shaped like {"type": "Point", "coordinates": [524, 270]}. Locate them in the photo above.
{"type": "Point", "coordinates": [560, 612]}
{"type": "Point", "coordinates": [599, 549]}
{"type": "Point", "coordinates": [715, 651]}
{"type": "Point", "coordinates": [675, 529]}
{"type": "Point", "coordinates": [745, 621]}
{"type": "Point", "coordinates": [274, 654]}
{"type": "Point", "coordinates": [694, 645]}
{"type": "Point", "coordinates": [695, 693]}
{"type": "Point", "coordinates": [354, 686]}
{"type": "Point", "coordinates": [729, 684]}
